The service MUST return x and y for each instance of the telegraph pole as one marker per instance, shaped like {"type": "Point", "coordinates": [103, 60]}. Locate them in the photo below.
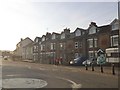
{"type": "Point", "coordinates": [119, 26]}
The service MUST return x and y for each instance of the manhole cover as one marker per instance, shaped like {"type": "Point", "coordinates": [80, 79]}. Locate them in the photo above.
{"type": "Point", "coordinates": [23, 83]}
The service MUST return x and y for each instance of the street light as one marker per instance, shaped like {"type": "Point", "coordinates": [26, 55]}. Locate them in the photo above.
{"type": "Point", "coordinates": [119, 24]}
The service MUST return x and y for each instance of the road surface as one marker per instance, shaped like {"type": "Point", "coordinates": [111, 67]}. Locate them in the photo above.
{"type": "Point", "coordinates": [32, 75]}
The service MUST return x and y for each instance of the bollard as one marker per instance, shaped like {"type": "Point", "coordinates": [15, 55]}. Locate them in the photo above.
{"type": "Point", "coordinates": [92, 67]}
{"type": "Point", "coordinates": [113, 69]}
{"type": "Point", "coordinates": [86, 66]}
{"type": "Point", "coordinates": [101, 68]}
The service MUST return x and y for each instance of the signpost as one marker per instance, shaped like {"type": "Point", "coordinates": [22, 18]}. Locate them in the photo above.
{"type": "Point", "coordinates": [101, 59]}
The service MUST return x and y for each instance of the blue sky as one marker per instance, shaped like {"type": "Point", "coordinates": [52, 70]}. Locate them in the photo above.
{"type": "Point", "coordinates": [29, 18]}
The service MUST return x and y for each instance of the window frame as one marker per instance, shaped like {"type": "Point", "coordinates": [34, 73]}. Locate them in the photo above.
{"type": "Point", "coordinates": [63, 36]}
{"type": "Point", "coordinates": [78, 33]}
{"type": "Point", "coordinates": [90, 41]}
{"type": "Point", "coordinates": [113, 43]}
{"type": "Point", "coordinates": [115, 26]}
{"type": "Point", "coordinates": [93, 30]}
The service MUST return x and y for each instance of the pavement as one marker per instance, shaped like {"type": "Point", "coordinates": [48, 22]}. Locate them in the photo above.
{"type": "Point", "coordinates": [97, 69]}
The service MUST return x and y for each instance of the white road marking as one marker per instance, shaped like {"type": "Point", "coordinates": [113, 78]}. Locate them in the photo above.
{"type": "Point", "coordinates": [42, 69]}
{"type": "Point", "coordinates": [23, 83]}
{"type": "Point", "coordinates": [74, 85]}
{"type": "Point", "coordinates": [11, 75]}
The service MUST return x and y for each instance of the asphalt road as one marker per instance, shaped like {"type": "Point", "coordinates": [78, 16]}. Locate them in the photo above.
{"type": "Point", "coordinates": [31, 75]}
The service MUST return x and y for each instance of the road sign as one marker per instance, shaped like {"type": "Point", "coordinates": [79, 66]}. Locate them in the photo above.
{"type": "Point", "coordinates": [101, 59]}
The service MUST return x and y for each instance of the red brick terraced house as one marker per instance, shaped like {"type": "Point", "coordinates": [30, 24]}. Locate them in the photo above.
{"type": "Point", "coordinates": [82, 42]}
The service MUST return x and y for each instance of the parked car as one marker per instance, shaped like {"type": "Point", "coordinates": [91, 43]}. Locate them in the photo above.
{"type": "Point", "coordinates": [77, 61]}
{"type": "Point", "coordinates": [90, 62]}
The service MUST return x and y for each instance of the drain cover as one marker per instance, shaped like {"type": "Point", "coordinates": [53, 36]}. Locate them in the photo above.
{"type": "Point", "coordinates": [23, 83]}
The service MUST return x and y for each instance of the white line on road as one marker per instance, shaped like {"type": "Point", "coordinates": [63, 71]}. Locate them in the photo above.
{"type": "Point", "coordinates": [12, 75]}
{"type": "Point", "coordinates": [74, 85]}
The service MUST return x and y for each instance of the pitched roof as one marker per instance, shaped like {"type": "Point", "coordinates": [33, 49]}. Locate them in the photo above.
{"type": "Point", "coordinates": [105, 28]}
{"type": "Point", "coordinates": [79, 29]}
{"type": "Point", "coordinates": [115, 20]}
{"type": "Point", "coordinates": [30, 44]}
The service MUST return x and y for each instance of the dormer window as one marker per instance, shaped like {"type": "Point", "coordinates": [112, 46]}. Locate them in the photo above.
{"type": "Point", "coordinates": [53, 36]}
{"type": "Point", "coordinates": [36, 39]}
{"type": "Point", "coordinates": [115, 26]}
{"type": "Point", "coordinates": [63, 36]}
{"type": "Point", "coordinates": [92, 30]}
{"type": "Point", "coordinates": [43, 39]}
{"type": "Point", "coordinates": [78, 33]}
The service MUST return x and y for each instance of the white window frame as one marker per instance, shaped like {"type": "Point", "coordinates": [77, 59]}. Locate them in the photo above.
{"type": "Point", "coordinates": [78, 33]}
{"type": "Point", "coordinates": [95, 42]}
{"type": "Point", "coordinates": [42, 47]}
{"type": "Point", "coordinates": [53, 36]}
{"type": "Point", "coordinates": [43, 39]}
{"type": "Point", "coordinates": [90, 43]}
{"type": "Point", "coordinates": [36, 39]}
{"type": "Point", "coordinates": [92, 30]}
{"type": "Point", "coordinates": [113, 43]}
{"type": "Point", "coordinates": [115, 26]}
{"type": "Point", "coordinates": [52, 46]}
{"type": "Point", "coordinates": [63, 36]}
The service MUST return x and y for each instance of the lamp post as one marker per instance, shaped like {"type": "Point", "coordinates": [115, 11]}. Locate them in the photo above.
{"type": "Point", "coordinates": [119, 25]}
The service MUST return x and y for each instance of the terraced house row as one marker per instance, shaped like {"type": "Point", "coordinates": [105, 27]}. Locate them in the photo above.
{"type": "Point", "coordinates": [69, 45]}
